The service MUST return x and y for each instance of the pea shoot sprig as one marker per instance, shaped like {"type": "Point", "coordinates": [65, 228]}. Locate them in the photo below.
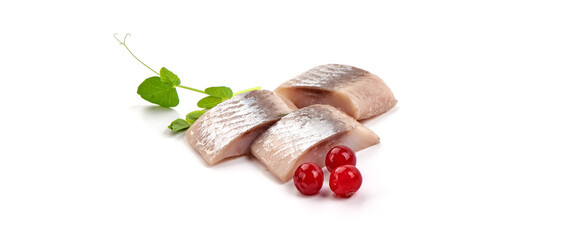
{"type": "Point", "coordinates": [162, 90]}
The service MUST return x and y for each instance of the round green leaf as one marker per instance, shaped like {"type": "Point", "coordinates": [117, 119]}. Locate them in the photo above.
{"type": "Point", "coordinates": [179, 125]}
{"type": "Point", "coordinates": [220, 92]}
{"type": "Point", "coordinates": [209, 102]}
{"type": "Point", "coordinates": [169, 77]}
{"type": "Point", "coordinates": [156, 91]}
{"type": "Point", "coordinates": [193, 116]}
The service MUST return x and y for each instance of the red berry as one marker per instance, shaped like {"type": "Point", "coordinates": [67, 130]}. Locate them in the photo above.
{"type": "Point", "coordinates": [338, 156]}
{"type": "Point", "coordinates": [308, 178]}
{"type": "Point", "coordinates": [345, 181]}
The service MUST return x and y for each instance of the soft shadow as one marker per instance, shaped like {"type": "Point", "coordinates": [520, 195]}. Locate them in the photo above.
{"type": "Point", "coordinates": [172, 134]}
{"type": "Point", "coordinates": [155, 114]}
{"type": "Point", "coordinates": [249, 159]}
{"type": "Point", "coordinates": [359, 198]}
{"type": "Point", "coordinates": [157, 109]}
{"type": "Point", "coordinates": [258, 165]}
{"type": "Point", "coordinates": [204, 163]}
{"type": "Point", "coordinates": [158, 112]}
{"type": "Point", "coordinates": [157, 118]}
{"type": "Point", "coordinates": [243, 159]}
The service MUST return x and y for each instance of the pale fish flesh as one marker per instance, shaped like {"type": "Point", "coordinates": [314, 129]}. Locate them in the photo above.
{"type": "Point", "coordinates": [228, 129]}
{"type": "Point", "coordinates": [355, 91]}
{"type": "Point", "coordinates": [306, 135]}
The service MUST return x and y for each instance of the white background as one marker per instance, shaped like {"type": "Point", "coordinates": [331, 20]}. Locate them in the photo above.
{"type": "Point", "coordinates": [488, 140]}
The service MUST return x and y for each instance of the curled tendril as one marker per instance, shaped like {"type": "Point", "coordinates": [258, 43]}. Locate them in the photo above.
{"type": "Point", "coordinates": [123, 42]}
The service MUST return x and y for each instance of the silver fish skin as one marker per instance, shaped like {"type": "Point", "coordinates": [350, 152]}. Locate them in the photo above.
{"type": "Point", "coordinates": [355, 91]}
{"type": "Point", "coordinates": [306, 135]}
{"type": "Point", "coordinates": [228, 129]}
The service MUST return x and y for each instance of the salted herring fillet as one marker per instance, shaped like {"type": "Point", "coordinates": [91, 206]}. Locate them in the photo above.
{"type": "Point", "coordinates": [355, 91]}
{"type": "Point", "coordinates": [306, 135]}
{"type": "Point", "coordinates": [228, 129]}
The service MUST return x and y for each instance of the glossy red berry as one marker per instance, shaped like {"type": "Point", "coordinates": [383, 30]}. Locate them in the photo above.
{"type": "Point", "coordinates": [345, 181]}
{"type": "Point", "coordinates": [308, 178]}
{"type": "Point", "coordinates": [338, 156]}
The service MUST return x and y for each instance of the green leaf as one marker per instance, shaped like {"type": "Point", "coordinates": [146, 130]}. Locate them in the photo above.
{"type": "Point", "coordinates": [179, 125]}
{"type": "Point", "coordinates": [220, 92]}
{"type": "Point", "coordinates": [156, 91]}
{"type": "Point", "coordinates": [193, 116]}
{"type": "Point", "coordinates": [169, 77]}
{"type": "Point", "coordinates": [209, 102]}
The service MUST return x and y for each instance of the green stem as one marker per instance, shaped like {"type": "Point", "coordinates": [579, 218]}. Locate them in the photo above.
{"type": "Point", "coordinates": [193, 89]}
{"type": "Point", "coordinates": [246, 90]}
{"type": "Point", "coordinates": [123, 43]}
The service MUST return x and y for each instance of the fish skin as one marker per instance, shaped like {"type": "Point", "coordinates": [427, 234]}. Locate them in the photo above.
{"type": "Point", "coordinates": [306, 135]}
{"type": "Point", "coordinates": [227, 129]}
{"type": "Point", "coordinates": [355, 91]}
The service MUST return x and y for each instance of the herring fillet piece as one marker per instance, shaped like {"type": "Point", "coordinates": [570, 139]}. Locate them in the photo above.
{"type": "Point", "coordinates": [355, 91]}
{"type": "Point", "coordinates": [306, 135]}
{"type": "Point", "coordinates": [228, 129]}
